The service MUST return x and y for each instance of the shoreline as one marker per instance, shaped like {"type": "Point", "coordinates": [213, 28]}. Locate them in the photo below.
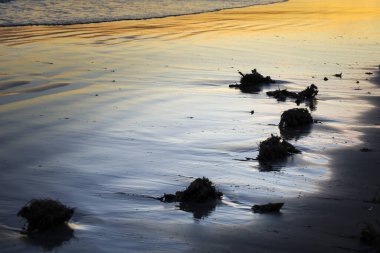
{"type": "Point", "coordinates": [135, 19]}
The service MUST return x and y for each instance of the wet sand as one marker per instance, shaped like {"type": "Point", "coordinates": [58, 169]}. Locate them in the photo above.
{"type": "Point", "coordinates": [105, 116]}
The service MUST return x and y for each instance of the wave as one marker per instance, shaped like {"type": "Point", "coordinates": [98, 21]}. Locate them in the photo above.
{"type": "Point", "coordinates": [68, 12]}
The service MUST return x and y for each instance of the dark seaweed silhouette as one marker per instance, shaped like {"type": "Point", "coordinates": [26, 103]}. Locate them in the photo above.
{"type": "Point", "coordinates": [306, 96]}
{"type": "Point", "coordinates": [268, 208]}
{"type": "Point", "coordinates": [252, 82]}
{"type": "Point", "coordinates": [274, 149]}
{"type": "Point", "coordinates": [43, 214]}
{"type": "Point", "coordinates": [370, 235]}
{"type": "Point", "coordinates": [199, 198]}
{"type": "Point", "coordinates": [295, 117]}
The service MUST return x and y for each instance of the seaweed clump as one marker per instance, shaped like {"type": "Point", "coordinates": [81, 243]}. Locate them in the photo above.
{"type": "Point", "coordinates": [370, 235]}
{"type": "Point", "coordinates": [200, 198]}
{"type": "Point", "coordinates": [201, 190]}
{"type": "Point", "coordinates": [295, 117]}
{"type": "Point", "coordinates": [268, 208]}
{"type": "Point", "coordinates": [252, 82]}
{"type": "Point", "coordinates": [43, 214]}
{"type": "Point", "coordinates": [375, 199]}
{"type": "Point", "coordinates": [307, 94]}
{"type": "Point", "coordinates": [275, 148]}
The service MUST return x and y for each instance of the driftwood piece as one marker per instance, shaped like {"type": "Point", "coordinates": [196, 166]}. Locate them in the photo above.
{"type": "Point", "coordinates": [252, 82]}
{"type": "Point", "coordinates": [268, 208]}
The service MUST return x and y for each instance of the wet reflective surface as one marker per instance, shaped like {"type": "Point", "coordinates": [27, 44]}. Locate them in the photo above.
{"type": "Point", "coordinates": [104, 117]}
{"type": "Point", "coordinates": [53, 12]}
{"type": "Point", "coordinates": [51, 239]}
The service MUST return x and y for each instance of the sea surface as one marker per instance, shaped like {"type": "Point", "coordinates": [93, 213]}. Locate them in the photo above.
{"type": "Point", "coordinates": [58, 12]}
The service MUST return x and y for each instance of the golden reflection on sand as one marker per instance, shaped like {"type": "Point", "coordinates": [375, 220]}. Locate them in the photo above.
{"type": "Point", "coordinates": [287, 32]}
{"type": "Point", "coordinates": [292, 16]}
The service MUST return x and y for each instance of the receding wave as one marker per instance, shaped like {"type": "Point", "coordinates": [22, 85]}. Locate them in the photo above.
{"type": "Point", "coordinates": [65, 12]}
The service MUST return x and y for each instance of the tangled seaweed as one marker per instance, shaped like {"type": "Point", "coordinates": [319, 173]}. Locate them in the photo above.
{"type": "Point", "coordinates": [282, 95]}
{"type": "Point", "coordinates": [275, 148]}
{"type": "Point", "coordinates": [307, 94]}
{"type": "Point", "coordinates": [365, 150]}
{"type": "Point", "coordinates": [295, 117]}
{"type": "Point", "coordinates": [201, 190]}
{"type": "Point", "coordinates": [200, 198]}
{"type": "Point", "coordinates": [376, 198]}
{"type": "Point", "coordinates": [370, 235]}
{"type": "Point", "coordinates": [268, 208]}
{"type": "Point", "coordinates": [252, 82]}
{"type": "Point", "coordinates": [43, 214]}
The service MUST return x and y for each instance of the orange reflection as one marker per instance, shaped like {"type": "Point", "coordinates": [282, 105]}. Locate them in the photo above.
{"type": "Point", "coordinates": [294, 16]}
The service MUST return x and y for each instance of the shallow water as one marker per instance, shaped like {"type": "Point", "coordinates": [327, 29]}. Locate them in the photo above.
{"type": "Point", "coordinates": [56, 12]}
{"type": "Point", "coordinates": [104, 117]}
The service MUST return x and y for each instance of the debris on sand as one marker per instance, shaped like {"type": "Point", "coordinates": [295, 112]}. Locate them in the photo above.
{"type": "Point", "coordinates": [370, 235]}
{"type": "Point", "coordinates": [268, 208]}
{"type": "Point", "coordinates": [282, 95]}
{"type": "Point", "coordinates": [254, 78]}
{"type": "Point", "coordinates": [365, 150]}
{"type": "Point", "coordinates": [307, 94]}
{"type": "Point", "coordinates": [375, 199]}
{"type": "Point", "coordinates": [326, 79]}
{"type": "Point", "coordinates": [201, 190]}
{"type": "Point", "coordinates": [168, 198]}
{"type": "Point", "coordinates": [295, 117]}
{"type": "Point", "coordinates": [251, 83]}
{"type": "Point", "coordinates": [200, 198]}
{"type": "Point", "coordinates": [43, 214]}
{"type": "Point", "coordinates": [338, 75]}
{"type": "Point", "coordinates": [275, 148]}
{"type": "Point", "coordinates": [369, 73]}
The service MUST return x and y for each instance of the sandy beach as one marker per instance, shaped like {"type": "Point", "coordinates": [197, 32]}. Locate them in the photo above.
{"type": "Point", "coordinates": [106, 117]}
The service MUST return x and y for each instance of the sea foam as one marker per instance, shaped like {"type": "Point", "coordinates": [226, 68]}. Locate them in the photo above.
{"type": "Point", "coordinates": [63, 12]}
